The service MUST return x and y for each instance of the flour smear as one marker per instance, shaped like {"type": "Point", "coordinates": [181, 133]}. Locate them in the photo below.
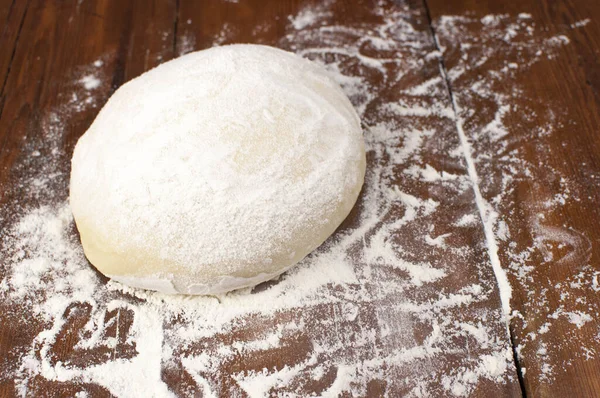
{"type": "Point", "coordinates": [395, 302]}
{"type": "Point", "coordinates": [486, 67]}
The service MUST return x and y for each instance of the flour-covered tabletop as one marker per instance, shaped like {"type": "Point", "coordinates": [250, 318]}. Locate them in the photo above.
{"type": "Point", "coordinates": [469, 266]}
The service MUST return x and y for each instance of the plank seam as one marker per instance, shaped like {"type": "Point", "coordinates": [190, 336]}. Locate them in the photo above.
{"type": "Point", "coordinates": [483, 207]}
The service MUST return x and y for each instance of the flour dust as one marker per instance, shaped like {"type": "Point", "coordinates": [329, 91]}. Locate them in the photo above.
{"type": "Point", "coordinates": [397, 301]}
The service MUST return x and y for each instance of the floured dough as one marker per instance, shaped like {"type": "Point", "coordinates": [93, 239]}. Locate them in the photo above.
{"type": "Point", "coordinates": [215, 171]}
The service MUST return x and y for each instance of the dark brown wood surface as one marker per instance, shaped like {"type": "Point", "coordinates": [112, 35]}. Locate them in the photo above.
{"type": "Point", "coordinates": [43, 44]}
{"type": "Point", "coordinates": [11, 20]}
{"type": "Point", "coordinates": [560, 91]}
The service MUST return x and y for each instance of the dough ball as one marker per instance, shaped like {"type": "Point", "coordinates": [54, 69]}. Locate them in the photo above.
{"type": "Point", "coordinates": [217, 170]}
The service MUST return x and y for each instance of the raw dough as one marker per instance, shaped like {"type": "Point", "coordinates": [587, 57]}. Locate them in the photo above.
{"type": "Point", "coordinates": [215, 171]}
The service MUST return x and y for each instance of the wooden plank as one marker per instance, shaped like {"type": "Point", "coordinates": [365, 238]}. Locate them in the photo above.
{"type": "Point", "coordinates": [48, 105]}
{"type": "Point", "coordinates": [525, 78]}
{"type": "Point", "coordinates": [404, 299]}
{"type": "Point", "coordinates": [12, 14]}
{"type": "Point", "coordinates": [336, 35]}
{"type": "Point", "coordinates": [5, 8]}
{"type": "Point", "coordinates": [67, 39]}
{"type": "Point", "coordinates": [202, 25]}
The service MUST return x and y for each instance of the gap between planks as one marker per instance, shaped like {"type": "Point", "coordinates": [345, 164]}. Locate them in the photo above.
{"type": "Point", "coordinates": [483, 206]}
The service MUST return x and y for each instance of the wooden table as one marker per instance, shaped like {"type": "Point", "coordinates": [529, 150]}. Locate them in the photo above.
{"type": "Point", "coordinates": [483, 117]}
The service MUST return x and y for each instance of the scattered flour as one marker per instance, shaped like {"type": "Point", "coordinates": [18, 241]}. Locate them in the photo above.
{"type": "Point", "coordinates": [581, 23]}
{"type": "Point", "coordinates": [187, 44]}
{"type": "Point", "coordinates": [90, 82]}
{"type": "Point", "coordinates": [225, 34]}
{"type": "Point", "coordinates": [373, 306]}
{"type": "Point", "coordinates": [506, 129]}
{"type": "Point", "coordinates": [307, 17]}
{"type": "Point", "coordinates": [386, 315]}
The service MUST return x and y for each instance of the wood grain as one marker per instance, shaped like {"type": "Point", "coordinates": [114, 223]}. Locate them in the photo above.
{"type": "Point", "coordinates": [551, 212]}
{"type": "Point", "coordinates": [46, 46]}
{"type": "Point", "coordinates": [12, 14]}
{"type": "Point", "coordinates": [210, 23]}
{"type": "Point", "coordinates": [62, 38]}
{"type": "Point", "coordinates": [60, 41]}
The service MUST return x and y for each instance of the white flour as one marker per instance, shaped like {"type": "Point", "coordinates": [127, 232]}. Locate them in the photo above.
{"type": "Point", "coordinates": [566, 305]}
{"type": "Point", "coordinates": [373, 306]}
